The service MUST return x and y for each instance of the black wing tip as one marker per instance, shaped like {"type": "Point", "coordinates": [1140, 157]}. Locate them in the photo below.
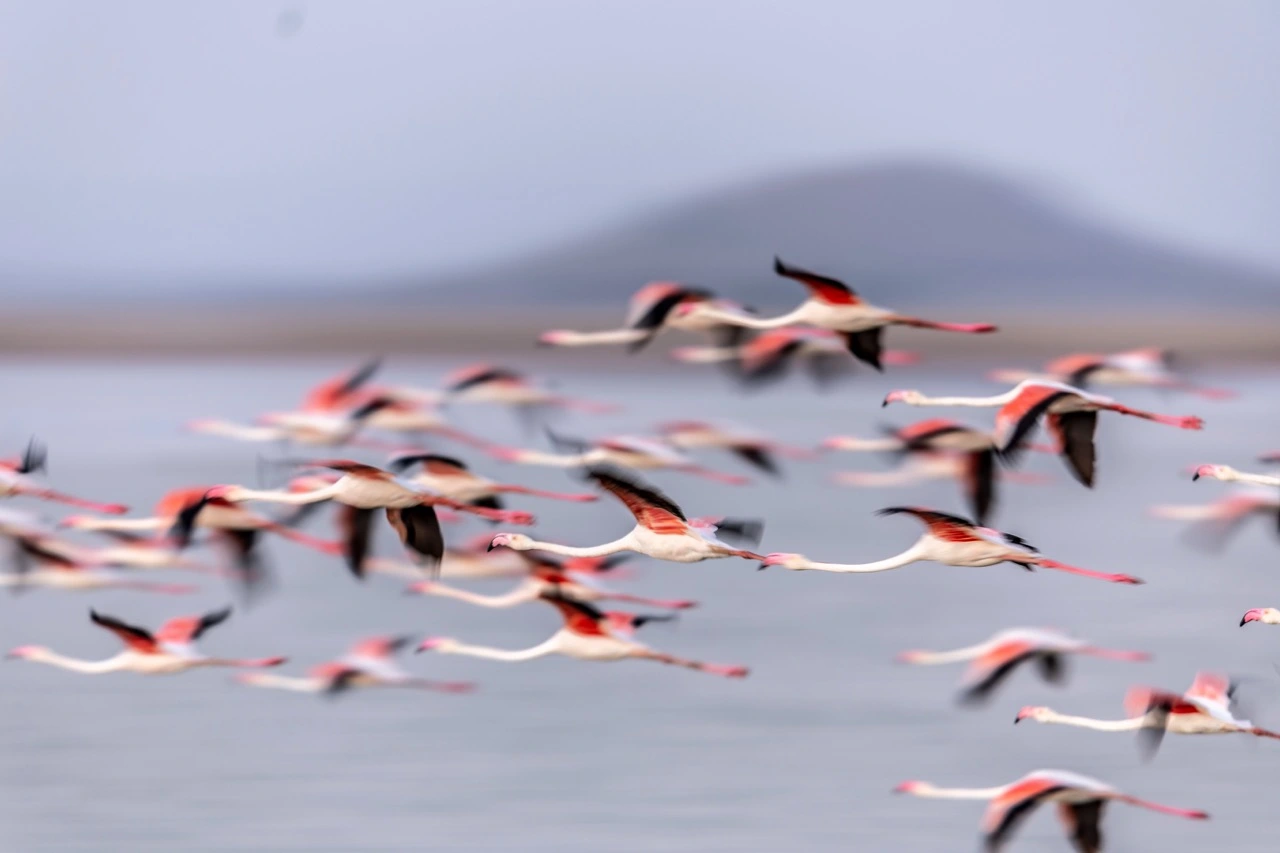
{"type": "Point", "coordinates": [35, 458]}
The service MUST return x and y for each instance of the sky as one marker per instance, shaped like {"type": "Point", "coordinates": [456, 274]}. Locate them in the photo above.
{"type": "Point", "coordinates": [343, 140]}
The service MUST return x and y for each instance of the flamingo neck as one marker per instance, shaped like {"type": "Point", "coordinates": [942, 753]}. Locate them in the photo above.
{"type": "Point", "coordinates": [522, 593]}
{"type": "Point", "coordinates": [280, 496]}
{"type": "Point", "coordinates": [623, 544]}
{"type": "Point", "coordinates": [975, 402]}
{"type": "Point", "coordinates": [550, 647]}
{"type": "Point", "coordinates": [86, 667]}
{"type": "Point", "coordinates": [1127, 725]}
{"type": "Point", "coordinates": [1255, 479]}
{"type": "Point", "coordinates": [555, 460]}
{"type": "Point", "coordinates": [959, 793]}
{"type": "Point", "coordinates": [953, 656]}
{"type": "Point", "coordinates": [281, 682]}
{"type": "Point", "coordinates": [747, 321]}
{"type": "Point", "coordinates": [911, 555]}
{"type": "Point", "coordinates": [567, 338]}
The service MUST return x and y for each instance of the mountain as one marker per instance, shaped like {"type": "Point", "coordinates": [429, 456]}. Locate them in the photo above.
{"type": "Point", "coordinates": [908, 233]}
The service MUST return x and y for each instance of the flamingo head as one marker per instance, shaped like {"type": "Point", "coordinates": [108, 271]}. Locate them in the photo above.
{"type": "Point", "coordinates": [420, 588]}
{"type": "Point", "coordinates": [1213, 472]}
{"type": "Point", "coordinates": [913, 786]}
{"type": "Point", "coordinates": [1031, 712]}
{"type": "Point", "coordinates": [27, 653]}
{"type": "Point", "coordinates": [908, 396]}
{"type": "Point", "coordinates": [76, 521]}
{"type": "Point", "coordinates": [911, 656]}
{"type": "Point", "coordinates": [795, 562]}
{"type": "Point", "coordinates": [514, 541]}
{"type": "Point", "coordinates": [1266, 615]}
{"type": "Point", "coordinates": [555, 337]}
{"type": "Point", "coordinates": [444, 645]}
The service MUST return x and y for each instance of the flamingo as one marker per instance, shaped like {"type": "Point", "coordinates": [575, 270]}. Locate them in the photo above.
{"type": "Point", "coordinates": [1071, 415]}
{"type": "Point", "coordinates": [833, 305]}
{"type": "Point", "coordinates": [587, 635]}
{"type": "Point", "coordinates": [1214, 523]}
{"type": "Point", "coordinates": [628, 451]}
{"type": "Point", "coordinates": [473, 560]}
{"type": "Point", "coordinates": [952, 541]}
{"type": "Point", "coordinates": [488, 383]}
{"type": "Point", "coordinates": [452, 478]}
{"type": "Point", "coordinates": [993, 660]}
{"type": "Point", "coordinates": [976, 448]}
{"type": "Point", "coordinates": [771, 354]}
{"type": "Point", "coordinates": [657, 305]}
{"type": "Point", "coordinates": [41, 561]}
{"type": "Point", "coordinates": [1080, 800]}
{"type": "Point", "coordinates": [16, 481]}
{"type": "Point", "coordinates": [321, 429]}
{"type": "Point", "coordinates": [1205, 709]}
{"type": "Point", "coordinates": [1151, 367]}
{"type": "Point", "coordinates": [369, 663]}
{"type": "Point", "coordinates": [235, 528]}
{"type": "Point", "coordinates": [662, 531]}
{"type": "Point", "coordinates": [544, 574]}
{"type": "Point", "coordinates": [753, 448]}
{"type": "Point", "coordinates": [363, 488]}
{"type": "Point", "coordinates": [1230, 475]}
{"type": "Point", "coordinates": [168, 651]}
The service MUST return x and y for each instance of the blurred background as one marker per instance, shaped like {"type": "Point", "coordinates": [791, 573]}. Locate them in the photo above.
{"type": "Point", "coordinates": [206, 208]}
{"type": "Point", "coordinates": [376, 170]}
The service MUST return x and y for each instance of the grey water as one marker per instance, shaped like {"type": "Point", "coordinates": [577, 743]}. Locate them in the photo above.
{"type": "Point", "coordinates": [562, 755]}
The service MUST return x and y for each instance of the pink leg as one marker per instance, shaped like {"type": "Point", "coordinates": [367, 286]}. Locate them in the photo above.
{"type": "Point", "coordinates": [576, 497]}
{"type": "Point", "coordinates": [669, 604]}
{"type": "Point", "coordinates": [463, 437]}
{"type": "Point", "coordinates": [1194, 814]}
{"type": "Point", "coordinates": [588, 406]}
{"type": "Point", "coordinates": [971, 328]}
{"type": "Point", "coordinates": [1187, 422]}
{"type": "Point", "coordinates": [162, 588]}
{"type": "Point", "coordinates": [1063, 567]}
{"type": "Point", "coordinates": [324, 546]}
{"type": "Point", "coordinates": [730, 479]}
{"type": "Point", "coordinates": [711, 668]}
{"type": "Point", "coordinates": [259, 663]}
{"type": "Point", "coordinates": [507, 516]}
{"type": "Point", "coordinates": [1115, 654]}
{"type": "Point", "coordinates": [443, 686]}
{"type": "Point", "coordinates": [747, 555]}
{"type": "Point", "coordinates": [59, 497]}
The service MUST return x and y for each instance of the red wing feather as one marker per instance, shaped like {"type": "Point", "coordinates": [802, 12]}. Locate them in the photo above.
{"type": "Point", "coordinates": [823, 288]}
{"type": "Point", "coordinates": [138, 639]}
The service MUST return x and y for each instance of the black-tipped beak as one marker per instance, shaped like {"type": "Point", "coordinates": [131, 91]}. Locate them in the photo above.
{"type": "Point", "coordinates": [1017, 719]}
{"type": "Point", "coordinates": [884, 402]}
{"type": "Point", "coordinates": [1195, 476]}
{"type": "Point", "coordinates": [491, 547]}
{"type": "Point", "coordinates": [1243, 621]}
{"type": "Point", "coordinates": [762, 567]}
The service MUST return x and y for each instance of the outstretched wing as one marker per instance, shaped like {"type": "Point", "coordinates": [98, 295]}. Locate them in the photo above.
{"type": "Point", "coordinates": [823, 288]}
{"type": "Point", "coordinates": [1018, 417]}
{"type": "Point", "coordinates": [432, 463]}
{"type": "Point", "coordinates": [950, 528]}
{"type": "Point", "coordinates": [1012, 807]}
{"type": "Point", "coordinates": [1083, 823]}
{"type": "Point", "coordinates": [138, 639]}
{"type": "Point", "coordinates": [419, 530]}
{"type": "Point", "coordinates": [188, 629]}
{"type": "Point", "coordinates": [579, 616]}
{"type": "Point", "coordinates": [650, 507]}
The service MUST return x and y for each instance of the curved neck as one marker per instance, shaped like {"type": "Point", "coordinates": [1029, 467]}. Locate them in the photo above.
{"type": "Point", "coordinates": [852, 443]}
{"type": "Point", "coordinates": [1256, 479]}
{"type": "Point", "coordinates": [997, 400]}
{"type": "Point", "coordinates": [536, 457]}
{"type": "Point", "coordinates": [911, 555]}
{"type": "Point", "coordinates": [747, 321]}
{"type": "Point", "coordinates": [953, 656]}
{"type": "Point", "coordinates": [548, 647]}
{"type": "Point", "coordinates": [282, 682]}
{"type": "Point", "coordinates": [123, 525]}
{"type": "Point", "coordinates": [87, 667]}
{"type": "Point", "coordinates": [522, 593]}
{"type": "Point", "coordinates": [1131, 724]}
{"type": "Point", "coordinates": [586, 339]}
{"type": "Point", "coordinates": [623, 544]}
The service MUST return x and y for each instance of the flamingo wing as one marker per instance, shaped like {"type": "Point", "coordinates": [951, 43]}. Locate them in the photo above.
{"type": "Point", "coordinates": [650, 507]}
{"type": "Point", "coordinates": [188, 629]}
{"type": "Point", "coordinates": [1016, 419]}
{"type": "Point", "coordinates": [356, 526]}
{"type": "Point", "coordinates": [980, 482]}
{"type": "Point", "coordinates": [950, 528]}
{"type": "Point", "coordinates": [432, 463]}
{"type": "Point", "coordinates": [823, 288]}
{"type": "Point", "coordinates": [138, 639]}
{"type": "Point", "coordinates": [1075, 433]}
{"type": "Point", "coordinates": [1083, 824]}
{"type": "Point", "coordinates": [379, 647]}
{"type": "Point", "coordinates": [867, 346]}
{"type": "Point", "coordinates": [579, 616]}
{"type": "Point", "coordinates": [242, 546]}
{"type": "Point", "coordinates": [1076, 369]}
{"type": "Point", "coordinates": [759, 457]}
{"type": "Point", "coordinates": [990, 669]}
{"type": "Point", "coordinates": [419, 530]}
{"type": "Point", "coordinates": [481, 374]}
{"type": "Point", "coordinates": [1012, 806]}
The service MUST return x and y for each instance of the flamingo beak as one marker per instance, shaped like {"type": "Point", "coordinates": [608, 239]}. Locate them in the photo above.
{"type": "Point", "coordinates": [428, 644]}
{"type": "Point", "coordinates": [1254, 615]}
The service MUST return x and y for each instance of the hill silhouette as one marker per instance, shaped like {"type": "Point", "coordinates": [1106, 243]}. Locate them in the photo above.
{"type": "Point", "coordinates": [900, 233]}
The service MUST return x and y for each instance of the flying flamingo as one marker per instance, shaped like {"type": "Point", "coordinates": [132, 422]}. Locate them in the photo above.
{"type": "Point", "coordinates": [628, 451]}
{"type": "Point", "coordinates": [770, 355]}
{"type": "Point", "coordinates": [662, 531]}
{"type": "Point", "coordinates": [1230, 475]}
{"type": "Point", "coordinates": [833, 305]}
{"type": "Point", "coordinates": [952, 541]}
{"type": "Point", "coordinates": [1071, 416]}
{"type": "Point", "coordinates": [657, 305]}
{"type": "Point", "coordinates": [1205, 709]}
{"type": "Point", "coordinates": [41, 561]}
{"type": "Point", "coordinates": [1080, 802]}
{"type": "Point", "coordinates": [16, 481]}
{"type": "Point", "coordinates": [488, 383]}
{"type": "Point", "coordinates": [1265, 615]}
{"type": "Point", "coordinates": [976, 448]}
{"type": "Point", "coordinates": [166, 652]}
{"type": "Point", "coordinates": [1215, 522]}
{"type": "Point", "coordinates": [993, 660]}
{"type": "Point", "coordinates": [1150, 367]}
{"type": "Point", "coordinates": [452, 478]}
{"type": "Point", "coordinates": [751, 447]}
{"type": "Point", "coordinates": [322, 429]}
{"type": "Point", "coordinates": [587, 635]}
{"type": "Point", "coordinates": [544, 575]}
{"type": "Point", "coordinates": [363, 488]}
{"type": "Point", "coordinates": [473, 560]}
{"type": "Point", "coordinates": [369, 663]}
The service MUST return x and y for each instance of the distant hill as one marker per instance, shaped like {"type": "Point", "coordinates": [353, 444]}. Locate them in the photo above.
{"type": "Point", "coordinates": [901, 233]}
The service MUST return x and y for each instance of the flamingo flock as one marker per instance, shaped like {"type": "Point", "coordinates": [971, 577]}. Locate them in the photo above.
{"type": "Point", "coordinates": [392, 450]}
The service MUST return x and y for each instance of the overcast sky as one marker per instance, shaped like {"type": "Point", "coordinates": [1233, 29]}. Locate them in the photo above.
{"type": "Point", "coordinates": [351, 138]}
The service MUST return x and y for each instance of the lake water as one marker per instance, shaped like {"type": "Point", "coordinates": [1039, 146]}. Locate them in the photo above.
{"type": "Point", "coordinates": [566, 756]}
